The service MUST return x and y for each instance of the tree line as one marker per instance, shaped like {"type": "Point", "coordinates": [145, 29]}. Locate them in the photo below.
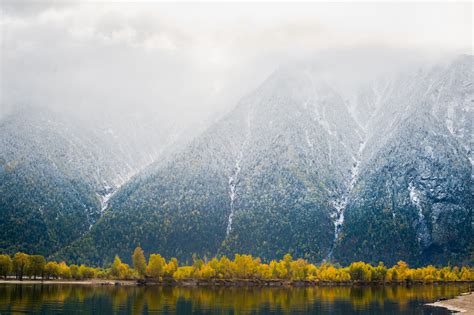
{"type": "Point", "coordinates": [242, 267]}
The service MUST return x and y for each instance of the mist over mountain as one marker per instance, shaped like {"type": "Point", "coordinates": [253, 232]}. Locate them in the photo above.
{"type": "Point", "coordinates": [58, 172]}
{"type": "Point", "coordinates": [301, 166]}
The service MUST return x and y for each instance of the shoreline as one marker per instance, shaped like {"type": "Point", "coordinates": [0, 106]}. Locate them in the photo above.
{"type": "Point", "coordinates": [223, 283]}
{"type": "Point", "coordinates": [78, 282]}
{"type": "Point", "coordinates": [463, 303]}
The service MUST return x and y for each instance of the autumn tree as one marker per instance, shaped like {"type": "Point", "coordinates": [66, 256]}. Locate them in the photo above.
{"type": "Point", "coordinates": [287, 259]}
{"type": "Point", "coordinates": [184, 272]}
{"type": "Point", "coordinates": [206, 272]}
{"type": "Point", "coordinates": [392, 275]}
{"type": "Point", "coordinates": [116, 268]}
{"type": "Point", "coordinates": [139, 261]}
{"type": "Point", "coordinates": [261, 271]}
{"type": "Point", "coordinates": [51, 270]}
{"type": "Point", "coordinates": [298, 269]}
{"type": "Point", "coordinates": [379, 273]}
{"type": "Point", "coordinates": [272, 266]}
{"type": "Point", "coordinates": [20, 263]}
{"type": "Point", "coordinates": [198, 263]}
{"type": "Point", "coordinates": [246, 266]}
{"type": "Point", "coordinates": [242, 267]}
{"type": "Point", "coordinates": [281, 270]}
{"type": "Point", "coordinates": [36, 266]}
{"type": "Point", "coordinates": [466, 274]}
{"type": "Point", "coordinates": [311, 272]}
{"type": "Point", "coordinates": [360, 271]}
{"type": "Point", "coordinates": [171, 267]}
{"type": "Point", "coordinates": [226, 267]}
{"type": "Point", "coordinates": [64, 271]}
{"type": "Point", "coordinates": [86, 272]}
{"type": "Point", "coordinates": [401, 267]}
{"type": "Point", "coordinates": [75, 274]}
{"type": "Point", "coordinates": [156, 266]}
{"type": "Point", "coordinates": [328, 273]}
{"type": "Point", "coordinates": [6, 265]}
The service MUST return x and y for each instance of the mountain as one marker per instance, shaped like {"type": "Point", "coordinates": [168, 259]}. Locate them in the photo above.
{"type": "Point", "coordinates": [56, 175]}
{"type": "Point", "coordinates": [269, 167]}
{"type": "Point", "coordinates": [413, 199]}
{"type": "Point", "coordinates": [300, 167]}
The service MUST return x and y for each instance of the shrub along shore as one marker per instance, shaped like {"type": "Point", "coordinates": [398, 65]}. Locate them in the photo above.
{"type": "Point", "coordinates": [242, 270]}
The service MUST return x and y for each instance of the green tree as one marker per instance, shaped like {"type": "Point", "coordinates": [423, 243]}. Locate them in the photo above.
{"type": "Point", "coordinates": [156, 266]}
{"type": "Point", "coordinates": [20, 264]}
{"type": "Point", "coordinates": [139, 261]}
{"type": "Point", "coordinates": [36, 265]}
{"type": "Point", "coordinates": [6, 265]}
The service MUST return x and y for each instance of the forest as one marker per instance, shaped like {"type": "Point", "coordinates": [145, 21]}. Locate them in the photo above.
{"type": "Point", "coordinates": [241, 267]}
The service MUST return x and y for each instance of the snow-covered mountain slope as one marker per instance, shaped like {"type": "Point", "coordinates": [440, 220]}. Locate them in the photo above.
{"type": "Point", "coordinates": [444, 91]}
{"type": "Point", "coordinates": [415, 185]}
{"type": "Point", "coordinates": [269, 169]}
{"type": "Point", "coordinates": [302, 166]}
{"type": "Point", "coordinates": [413, 199]}
{"type": "Point", "coordinates": [56, 175]}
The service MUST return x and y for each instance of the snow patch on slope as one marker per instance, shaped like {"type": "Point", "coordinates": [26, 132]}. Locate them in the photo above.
{"type": "Point", "coordinates": [308, 140]}
{"type": "Point", "coordinates": [234, 177]}
{"type": "Point", "coordinates": [422, 229]}
{"type": "Point", "coordinates": [340, 204]}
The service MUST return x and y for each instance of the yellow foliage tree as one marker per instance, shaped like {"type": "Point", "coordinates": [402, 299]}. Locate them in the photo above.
{"type": "Point", "coordinates": [64, 270]}
{"type": "Point", "coordinates": [139, 261]}
{"type": "Point", "coordinates": [156, 266]}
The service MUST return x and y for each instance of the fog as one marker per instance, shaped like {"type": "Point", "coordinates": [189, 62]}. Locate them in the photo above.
{"type": "Point", "coordinates": [187, 64]}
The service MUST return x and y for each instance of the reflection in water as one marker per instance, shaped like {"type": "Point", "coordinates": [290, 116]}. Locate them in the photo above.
{"type": "Point", "coordinates": [235, 300]}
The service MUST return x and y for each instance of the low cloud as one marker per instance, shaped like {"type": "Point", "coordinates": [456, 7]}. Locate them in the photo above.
{"type": "Point", "coordinates": [190, 61]}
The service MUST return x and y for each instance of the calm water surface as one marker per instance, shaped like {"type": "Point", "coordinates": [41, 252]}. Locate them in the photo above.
{"type": "Point", "coordinates": [85, 299]}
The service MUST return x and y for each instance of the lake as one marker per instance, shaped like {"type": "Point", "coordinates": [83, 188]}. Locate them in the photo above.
{"type": "Point", "coordinates": [88, 299]}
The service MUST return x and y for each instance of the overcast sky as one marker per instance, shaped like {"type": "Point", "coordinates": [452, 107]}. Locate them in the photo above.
{"type": "Point", "coordinates": [187, 61]}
